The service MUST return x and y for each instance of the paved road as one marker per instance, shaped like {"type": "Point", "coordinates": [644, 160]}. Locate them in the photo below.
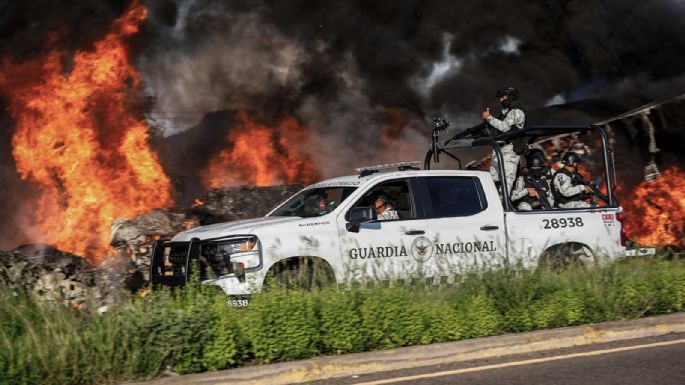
{"type": "Point", "coordinates": [659, 361]}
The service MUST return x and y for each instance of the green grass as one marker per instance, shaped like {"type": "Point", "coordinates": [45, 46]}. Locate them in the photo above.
{"type": "Point", "coordinates": [192, 330]}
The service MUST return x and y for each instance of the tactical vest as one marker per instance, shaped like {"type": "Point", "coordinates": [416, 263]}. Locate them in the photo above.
{"type": "Point", "coordinates": [576, 180]}
{"type": "Point", "coordinates": [544, 182]}
{"type": "Point", "coordinates": [518, 143]}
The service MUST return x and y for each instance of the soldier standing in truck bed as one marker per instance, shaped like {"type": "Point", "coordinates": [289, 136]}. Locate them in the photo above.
{"type": "Point", "coordinates": [512, 118]}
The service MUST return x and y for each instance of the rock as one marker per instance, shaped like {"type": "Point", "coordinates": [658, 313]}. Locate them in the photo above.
{"type": "Point", "coordinates": [49, 274]}
{"type": "Point", "coordinates": [243, 202]}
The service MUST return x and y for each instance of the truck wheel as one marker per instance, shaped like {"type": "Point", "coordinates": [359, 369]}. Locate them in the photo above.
{"type": "Point", "coordinates": [300, 273]}
{"type": "Point", "coordinates": [565, 255]}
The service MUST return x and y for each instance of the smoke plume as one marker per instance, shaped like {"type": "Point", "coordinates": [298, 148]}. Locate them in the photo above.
{"type": "Point", "coordinates": [340, 66]}
{"type": "Point", "coordinates": [363, 76]}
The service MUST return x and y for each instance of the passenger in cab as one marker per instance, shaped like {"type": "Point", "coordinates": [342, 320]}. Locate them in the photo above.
{"type": "Point", "coordinates": [533, 187]}
{"type": "Point", "coordinates": [384, 209]}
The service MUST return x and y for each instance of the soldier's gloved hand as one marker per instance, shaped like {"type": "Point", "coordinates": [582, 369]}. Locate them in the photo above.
{"type": "Point", "coordinates": [486, 113]}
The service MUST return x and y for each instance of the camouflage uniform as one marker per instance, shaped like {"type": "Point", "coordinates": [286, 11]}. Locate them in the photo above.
{"type": "Point", "coordinates": [520, 192]}
{"type": "Point", "coordinates": [389, 214]}
{"type": "Point", "coordinates": [569, 190]}
{"type": "Point", "coordinates": [511, 118]}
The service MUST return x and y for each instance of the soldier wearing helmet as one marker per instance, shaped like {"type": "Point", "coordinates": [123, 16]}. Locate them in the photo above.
{"type": "Point", "coordinates": [568, 186]}
{"type": "Point", "coordinates": [533, 188]}
{"type": "Point", "coordinates": [511, 118]}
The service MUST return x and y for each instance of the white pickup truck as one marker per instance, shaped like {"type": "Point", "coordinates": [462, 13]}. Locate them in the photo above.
{"type": "Point", "coordinates": [450, 222]}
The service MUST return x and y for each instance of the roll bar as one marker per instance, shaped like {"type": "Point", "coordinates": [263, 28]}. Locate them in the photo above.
{"type": "Point", "coordinates": [530, 133]}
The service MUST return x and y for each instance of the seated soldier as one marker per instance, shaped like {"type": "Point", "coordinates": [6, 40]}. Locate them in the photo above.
{"type": "Point", "coordinates": [533, 187]}
{"type": "Point", "coordinates": [384, 209]}
{"type": "Point", "coordinates": [568, 187]}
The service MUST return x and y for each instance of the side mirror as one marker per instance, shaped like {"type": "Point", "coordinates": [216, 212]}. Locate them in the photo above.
{"type": "Point", "coordinates": [359, 215]}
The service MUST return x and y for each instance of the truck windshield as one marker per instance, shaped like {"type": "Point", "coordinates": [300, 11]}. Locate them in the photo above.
{"type": "Point", "coordinates": [314, 202]}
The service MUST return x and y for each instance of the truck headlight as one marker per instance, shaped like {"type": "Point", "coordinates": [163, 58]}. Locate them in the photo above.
{"type": "Point", "coordinates": [243, 245]}
{"type": "Point", "coordinates": [248, 245]}
{"type": "Point", "coordinates": [223, 256]}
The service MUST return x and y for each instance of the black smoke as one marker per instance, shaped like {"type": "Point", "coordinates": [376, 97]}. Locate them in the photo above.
{"type": "Point", "coordinates": [340, 66]}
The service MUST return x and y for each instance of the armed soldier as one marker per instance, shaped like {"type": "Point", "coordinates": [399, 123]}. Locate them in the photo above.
{"type": "Point", "coordinates": [533, 188]}
{"type": "Point", "coordinates": [512, 118]}
{"type": "Point", "coordinates": [568, 186]}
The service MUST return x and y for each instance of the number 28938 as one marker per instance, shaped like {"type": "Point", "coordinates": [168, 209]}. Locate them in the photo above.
{"type": "Point", "coordinates": [561, 223]}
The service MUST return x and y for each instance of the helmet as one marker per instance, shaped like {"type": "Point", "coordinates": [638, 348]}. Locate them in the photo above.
{"type": "Point", "coordinates": [508, 91]}
{"type": "Point", "coordinates": [535, 159]}
{"type": "Point", "coordinates": [571, 158]}
{"type": "Point", "coordinates": [512, 94]}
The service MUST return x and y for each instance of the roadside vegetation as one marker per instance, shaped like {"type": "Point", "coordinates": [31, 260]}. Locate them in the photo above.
{"type": "Point", "coordinates": [192, 330]}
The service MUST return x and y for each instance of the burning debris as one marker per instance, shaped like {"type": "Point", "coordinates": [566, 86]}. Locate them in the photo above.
{"type": "Point", "coordinates": [63, 277]}
{"type": "Point", "coordinates": [81, 139]}
{"type": "Point", "coordinates": [242, 202]}
{"type": "Point", "coordinates": [658, 201]}
{"type": "Point", "coordinates": [263, 156]}
{"type": "Point", "coordinates": [659, 210]}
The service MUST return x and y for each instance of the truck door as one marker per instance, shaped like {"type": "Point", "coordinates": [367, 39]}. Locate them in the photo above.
{"type": "Point", "coordinates": [381, 250]}
{"type": "Point", "coordinates": [465, 231]}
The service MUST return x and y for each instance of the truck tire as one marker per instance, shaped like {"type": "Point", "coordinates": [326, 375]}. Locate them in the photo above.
{"type": "Point", "coordinates": [305, 273]}
{"type": "Point", "coordinates": [561, 256]}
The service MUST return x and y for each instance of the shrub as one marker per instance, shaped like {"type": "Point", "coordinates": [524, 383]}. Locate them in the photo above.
{"type": "Point", "coordinates": [557, 309]}
{"type": "Point", "coordinates": [479, 316]}
{"type": "Point", "coordinates": [281, 326]}
{"type": "Point", "coordinates": [192, 330]}
{"type": "Point", "coordinates": [390, 318]}
{"type": "Point", "coordinates": [340, 321]}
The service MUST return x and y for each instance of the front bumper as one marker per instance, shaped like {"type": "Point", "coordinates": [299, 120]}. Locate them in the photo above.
{"type": "Point", "coordinates": [172, 262]}
{"type": "Point", "coordinates": [231, 285]}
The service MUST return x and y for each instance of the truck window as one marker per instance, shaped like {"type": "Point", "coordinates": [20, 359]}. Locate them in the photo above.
{"type": "Point", "coordinates": [398, 194]}
{"type": "Point", "coordinates": [314, 202]}
{"type": "Point", "coordinates": [454, 196]}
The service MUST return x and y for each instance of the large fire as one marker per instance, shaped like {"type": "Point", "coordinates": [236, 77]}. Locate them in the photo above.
{"type": "Point", "coordinates": [656, 211]}
{"type": "Point", "coordinates": [261, 155]}
{"type": "Point", "coordinates": [80, 139]}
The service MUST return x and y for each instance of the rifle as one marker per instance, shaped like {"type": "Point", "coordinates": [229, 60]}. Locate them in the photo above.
{"type": "Point", "coordinates": [476, 131]}
{"type": "Point", "coordinates": [542, 195]}
{"type": "Point", "coordinates": [594, 186]}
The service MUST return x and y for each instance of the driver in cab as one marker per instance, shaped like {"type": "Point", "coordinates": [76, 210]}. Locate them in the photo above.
{"type": "Point", "coordinates": [384, 209]}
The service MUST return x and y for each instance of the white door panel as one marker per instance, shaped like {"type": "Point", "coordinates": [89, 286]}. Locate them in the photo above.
{"type": "Point", "coordinates": [380, 250]}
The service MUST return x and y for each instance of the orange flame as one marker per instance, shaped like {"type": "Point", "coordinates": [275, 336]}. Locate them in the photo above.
{"type": "Point", "coordinates": [262, 156]}
{"type": "Point", "coordinates": [655, 212]}
{"type": "Point", "coordinates": [80, 139]}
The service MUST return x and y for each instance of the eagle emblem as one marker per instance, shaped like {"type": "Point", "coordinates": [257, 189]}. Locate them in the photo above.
{"type": "Point", "coordinates": [422, 249]}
